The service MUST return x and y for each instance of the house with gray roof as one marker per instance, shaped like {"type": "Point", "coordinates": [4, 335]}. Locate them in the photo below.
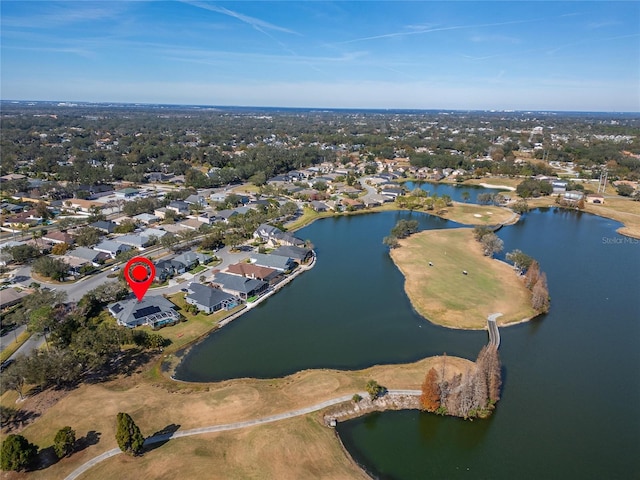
{"type": "Point", "coordinates": [265, 232]}
{"type": "Point", "coordinates": [196, 200]}
{"type": "Point", "coordinates": [286, 238]}
{"type": "Point", "coordinates": [277, 262]}
{"type": "Point", "coordinates": [135, 240]}
{"type": "Point", "coordinates": [104, 226]}
{"type": "Point", "coordinates": [299, 254]}
{"type": "Point", "coordinates": [241, 287]}
{"type": "Point", "coordinates": [192, 259]}
{"type": "Point", "coordinates": [168, 268]}
{"type": "Point", "coordinates": [225, 215]}
{"type": "Point", "coordinates": [154, 232]}
{"type": "Point", "coordinates": [146, 218]}
{"type": "Point", "coordinates": [209, 299]}
{"type": "Point", "coordinates": [153, 310]}
{"type": "Point", "coordinates": [178, 206]}
{"type": "Point", "coordinates": [90, 255]}
{"type": "Point", "coordinates": [112, 247]}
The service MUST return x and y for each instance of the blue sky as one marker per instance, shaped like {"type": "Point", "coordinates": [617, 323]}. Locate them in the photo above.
{"type": "Point", "coordinates": [528, 55]}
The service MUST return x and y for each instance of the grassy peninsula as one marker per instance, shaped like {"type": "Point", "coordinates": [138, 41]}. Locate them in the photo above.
{"type": "Point", "coordinates": [433, 263]}
{"type": "Point", "coordinates": [300, 447]}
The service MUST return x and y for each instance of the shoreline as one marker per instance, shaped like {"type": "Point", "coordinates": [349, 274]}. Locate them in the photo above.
{"type": "Point", "coordinates": [183, 351]}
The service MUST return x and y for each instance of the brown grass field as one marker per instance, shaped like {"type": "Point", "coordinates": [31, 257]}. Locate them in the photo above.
{"type": "Point", "coordinates": [291, 449]}
{"type": "Point", "coordinates": [472, 214]}
{"type": "Point", "coordinates": [443, 295]}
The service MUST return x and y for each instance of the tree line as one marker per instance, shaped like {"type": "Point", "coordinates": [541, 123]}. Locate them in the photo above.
{"type": "Point", "coordinates": [469, 395]}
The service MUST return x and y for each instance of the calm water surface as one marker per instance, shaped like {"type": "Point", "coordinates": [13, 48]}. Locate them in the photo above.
{"type": "Point", "coordinates": [572, 378]}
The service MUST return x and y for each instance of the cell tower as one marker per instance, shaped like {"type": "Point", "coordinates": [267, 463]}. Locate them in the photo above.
{"type": "Point", "coordinates": [602, 184]}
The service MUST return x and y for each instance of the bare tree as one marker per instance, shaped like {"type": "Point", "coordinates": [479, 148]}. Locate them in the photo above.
{"type": "Point", "coordinates": [491, 244]}
{"type": "Point", "coordinates": [540, 294]}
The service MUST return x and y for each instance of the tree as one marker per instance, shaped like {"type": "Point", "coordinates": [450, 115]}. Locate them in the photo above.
{"type": "Point", "coordinates": [374, 389]}
{"type": "Point", "coordinates": [404, 228]}
{"type": "Point", "coordinates": [60, 248]}
{"type": "Point", "coordinates": [520, 207]}
{"type": "Point", "coordinates": [64, 442]}
{"type": "Point", "coordinates": [430, 397]}
{"type": "Point", "coordinates": [23, 253]}
{"type": "Point", "coordinates": [521, 261]}
{"type": "Point", "coordinates": [533, 272]}
{"type": "Point", "coordinates": [540, 294]}
{"type": "Point", "coordinates": [127, 226]}
{"type": "Point", "coordinates": [491, 244]}
{"type": "Point", "coordinates": [625, 190]}
{"type": "Point", "coordinates": [88, 236]}
{"type": "Point", "coordinates": [485, 198]}
{"type": "Point", "coordinates": [14, 378]}
{"type": "Point", "coordinates": [391, 241]}
{"type": "Point", "coordinates": [17, 453]}
{"type": "Point", "coordinates": [480, 231]}
{"type": "Point", "coordinates": [50, 267]}
{"type": "Point", "coordinates": [465, 196]}
{"type": "Point", "coordinates": [128, 435]}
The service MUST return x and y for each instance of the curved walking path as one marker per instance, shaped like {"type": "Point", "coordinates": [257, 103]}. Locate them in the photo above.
{"type": "Point", "coordinates": [230, 426]}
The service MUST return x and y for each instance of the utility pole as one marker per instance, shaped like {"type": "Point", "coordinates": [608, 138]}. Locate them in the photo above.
{"type": "Point", "coordinates": [602, 183]}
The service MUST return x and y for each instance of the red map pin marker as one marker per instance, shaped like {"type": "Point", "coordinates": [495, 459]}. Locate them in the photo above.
{"type": "Point", "coordinates": [139, 274]}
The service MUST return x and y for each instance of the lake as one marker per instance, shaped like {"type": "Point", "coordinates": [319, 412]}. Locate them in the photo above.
{"type": "Point", "coordinates": [571, 378]}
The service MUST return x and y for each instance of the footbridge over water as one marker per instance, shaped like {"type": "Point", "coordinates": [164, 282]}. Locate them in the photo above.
{"type": "Point", "coordinates": [492, 327]}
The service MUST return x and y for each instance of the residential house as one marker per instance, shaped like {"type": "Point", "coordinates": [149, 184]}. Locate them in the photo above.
{"type": "Point", "coordinates": [178, 206]}
{"type": "Point", "coordinates": [166, 269]}
{"type": "Point", "coordinates": [319, 206]}
{"type": "Point", "coordinates": [146, 218]}
{"type": "Point", "coordinates": [81, 205]}
{"type": "Point", "coordinates": [224, 215]}
{"type": "Point", "coordinates": [11, 297]}
{"type": "Point", "coordinates": [127, 192]}
{"type": "Point", "coordinates": [104, 226]}
{"type": "Point", "coordinates": [299, 254]}
{"type": "Point", "coordinates": [154, 232]}
{"type": "Point", "coordinates": [285, 238]}
{"type": "Point", "coordinates": [241, 287]}
{"type": "Point", "coordinates": [266, 232]}
{"type": "Point", "coordinates": [59, 237]}
{"type": "Point", "coordinates": [90, 255]}
{"type": "Point", "coordinates": [209, 299]}
{"type": "Point", "coordinates": [160, 212]}
{"type": "Point", "coordinates": [191, 224]}
{"type": "Point", "coordinates": [207, 217]}
{"type": "Point", "coordinates": [192, 259]}
{"type": "Point", "coordinates": [112, 247]}
{"type": "Point", "coordinates": [282, 264]}
{"type": "Point", "coordinates": [251, 270]}
{"type": "Point", "coordinates": [135, 240]}
{"type": "Point", "coordinates": [153, 310]}
{"type": "Point", "coordinates": [196, 200]}
{"type": "Point", "coordinates": [75, 264]}
{"type": "Point", "coordinates": [352, 204]}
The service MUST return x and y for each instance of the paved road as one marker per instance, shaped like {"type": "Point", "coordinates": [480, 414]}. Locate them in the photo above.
{"type": "Point", "coordinates": [230, 426]}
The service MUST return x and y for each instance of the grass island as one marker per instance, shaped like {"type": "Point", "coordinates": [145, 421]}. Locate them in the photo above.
{"type": "Point", "coordinates": [433, 263]}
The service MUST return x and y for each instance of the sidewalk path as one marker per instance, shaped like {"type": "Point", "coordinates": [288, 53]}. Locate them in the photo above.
{"type": "Point", "coordinates": [230, 426]}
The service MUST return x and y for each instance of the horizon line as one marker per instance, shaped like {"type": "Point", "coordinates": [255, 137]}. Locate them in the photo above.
{"type": "Point", "coordinates": [274, 107]}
